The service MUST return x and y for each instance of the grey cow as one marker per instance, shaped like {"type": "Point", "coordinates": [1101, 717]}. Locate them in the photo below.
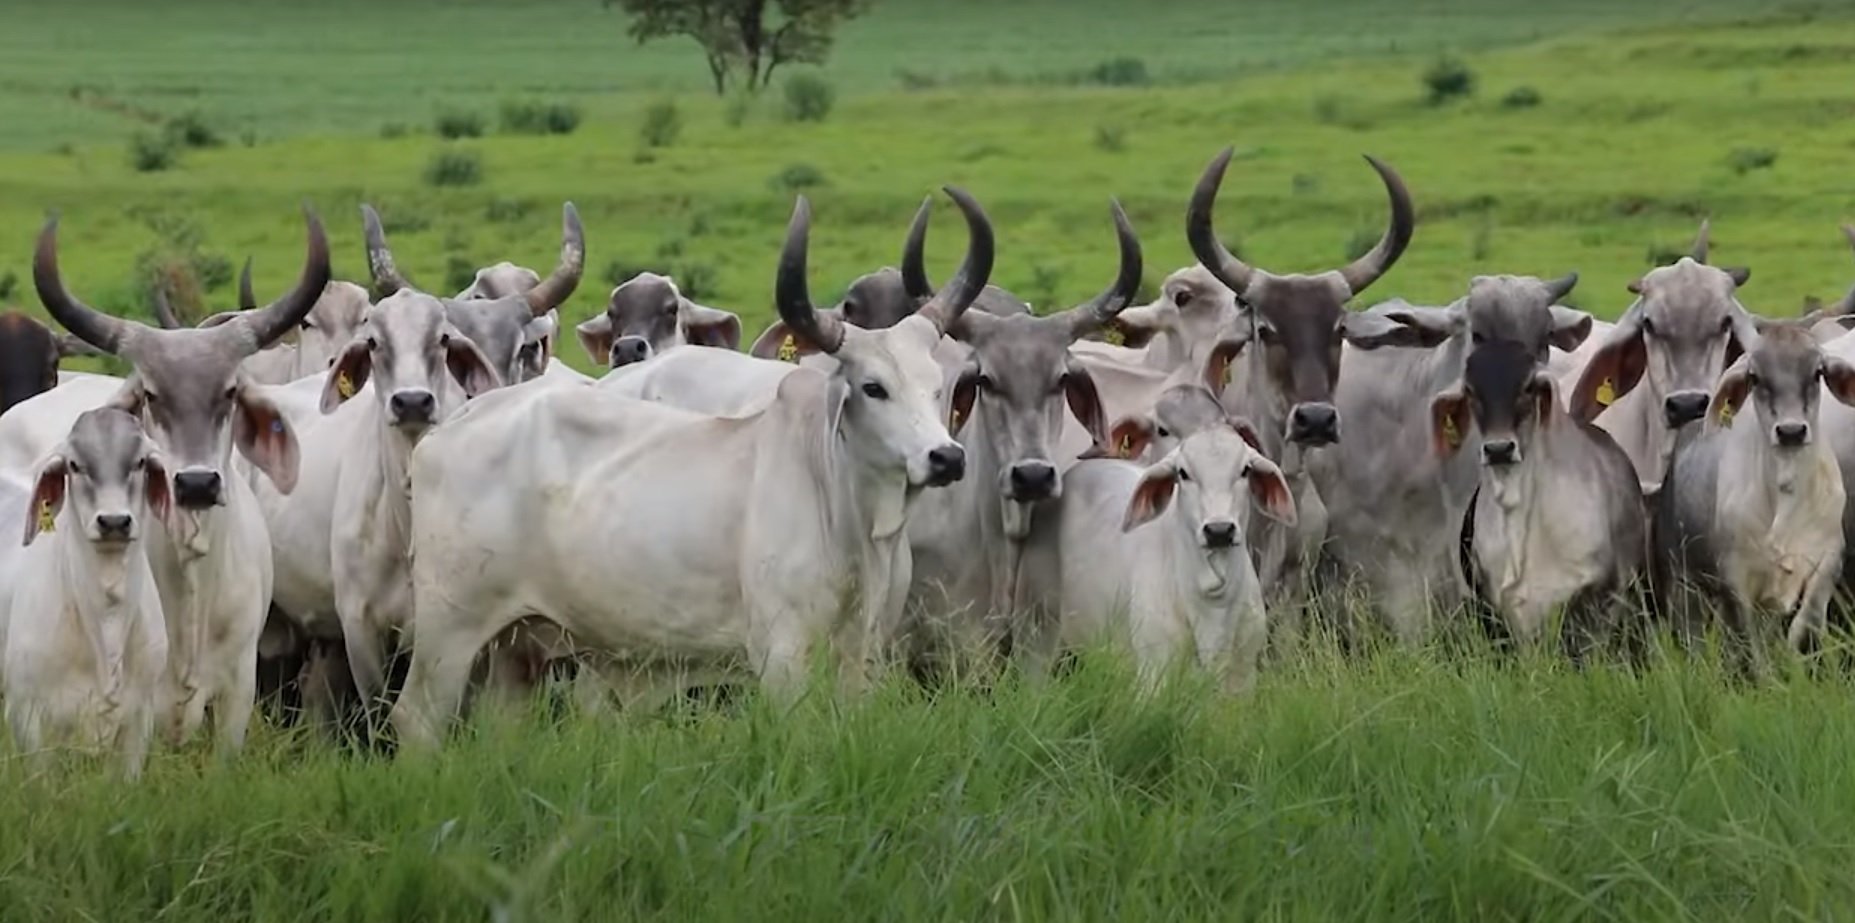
{"type": "Point", "coordinates": [648, 314]}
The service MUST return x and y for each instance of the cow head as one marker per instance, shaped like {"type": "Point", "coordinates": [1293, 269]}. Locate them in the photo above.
{"type": "Point", "coordinates": [513, 327]}
{"type": "Point", "coordinates": [1505, 393]}
{"type": "Point", "coordinates": [1180, 411]}
{"type": "Point", "coordinates": [1779, 376]}
{"type": "Point", "coordinates": [29, 355]}
{"type": "Point", "coordinates": [648, 314]}
{"type": "Point", "coordinates": [187, 389]}
{"type": "Point", "coordinates": [1299, 321]}
{"type": "Point", "coordinates": [887, 387]}
{"type": "Point", "coordinates": [329, 326]}
{"type": "Point", "coordinates": [1214, 476]}
{"type": "Point", "coordinates": [423, 368]}
{"type": "Point", "coordinates": [1685, 327]}
{"type": "Point", "coordinates": [104, 470]}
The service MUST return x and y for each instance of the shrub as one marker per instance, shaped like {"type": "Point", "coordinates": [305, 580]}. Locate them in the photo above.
{"type": "Point", "coordinates": [454, 167]}
{"type": "Point", "coordinates": [1119, 72]}
{"type": "Point", "coordinates": [506, 211]}
{"type": "Point", "coordinates": [915, 81]}
{"type": "Point", "coordinates": [1521, 98]}
{"type": "Point", "coordinates": [808, 97]}
{"type": "Point", "coordinates": [1305, 184]}
{"type": "Point", "coordinates": [1110, 138]}
{"type": "Point", "coordinates": [1046, 284]}
{"type": "Point", "coordinates": [152, 153]}
{"type": "Point", "coordinates": [797, 177]}
{"type": "Point", "coordinates": [1744, 160]}
{"type": "Point", "coordinates": [662, 124]}
{"type": "Point", "coordinates": [190, 129]}
{"type": "Point", "coordinates": [740, 106]}
{"type": "Point", "coordinates": [459, 271]}
{"type": "Point", "coordinates": [394, 130]}
{"type": "Point", "coordinates": [459, 123]}
{"type": "Point", "coordinates": [248, 137]}
{"type": "Point", "coordinates": [9, 285]}
{"type": "Point", "coordinates": [1361, 242]}
{"type": "Point", "coordinates": [1447, 79]}
{"type": "Point", "coordinates": [529, 117]}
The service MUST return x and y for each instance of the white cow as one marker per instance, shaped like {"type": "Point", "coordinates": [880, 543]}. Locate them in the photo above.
{"type": "Point", "coordinates": [86, 645]}
{"type": "Point", "coordinates": [329, 324]}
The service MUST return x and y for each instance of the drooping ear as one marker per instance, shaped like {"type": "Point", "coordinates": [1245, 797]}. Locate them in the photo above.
{"type": "Point", "coordinates": [264, 437]}
{"type": "Point", "coordinates": [1615, 369]}
{"type": "Point", "coordinates": [779, 342]}
{"type": "Point", "coordinates": [1729, 394]}
{"type": "Point", "coordinates": [707, 326]}
{"type": "Point", "coordinates": [965, 395]}
{"type": "Point", "coordinates": [348, 374]}
{"type": "Point", "coordinates": [469, 366]}
{"type": "Point", "coordinates": [1570, 327]}
{"type": "Point", "coordinates": [1085, 400]}
{"type": "Point", "coordinates": [1138, 325]}
{"type": "Point", "coordinates": [1217, 365]}
{"type": "Point", "coordinates": [1128, 439]}
{"type": "Point", "coordinates": [1449, 421]}
{"type": "Point", "coordinates": [1269, 490]}
{"type": "Point", "coordinates": [155, 482]}
{"type": "Point", "coordinates": [1247, 431]}
{"type": "Point", "coordinates": [128, 398]}
{"type": "Point", "coordinates": [69, 346]}
{"type": "Point", "coordinates": [1400, 324]}
{"type": "Point", "coordinates": [1545, 393]}
{"type": "Point", "coordinates": [1839, 378]}
{"type": "Point", "coordinates": [1151, 496]}
{"type": "Point", "coordinates": [596, 338]}
{"type": "Point", "coordinates": [47, 495]}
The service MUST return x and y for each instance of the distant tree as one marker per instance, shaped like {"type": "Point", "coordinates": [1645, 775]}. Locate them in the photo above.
{"type": "Point", "coordinates": [749, 37]}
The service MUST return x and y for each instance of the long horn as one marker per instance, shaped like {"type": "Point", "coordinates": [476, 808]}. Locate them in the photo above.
{"type": "Point", "coordinates": [554, 290]}
{"type": "Point", "coordinates": [387, 277]}
{"type": "Point", "coordinates": [1210, 251]}
{"type": "Point", "coordinates": [1365, 270]}
{"type": "Point", "coordinates": [164, 312]}
{"type": "Point", "coordinates": [1702, 241]}
{"type": "Point", "coordinates": [92, 326]}
{"type": "Point", "coordinates": [975, 269]}
{"type": "Point", "coordinates": [1101, 309]}
{"type": "Point", "coordinates": [914, 263]}
{"type": "Point", "coordinates": [1847, 304]}
{"type": "Point", "coordinates": [284, 314]}
{"type": "Point", "coordinates": [790, 293]}
{"type": "Point", "coordinates": [1562, 286]}
{"type": "Point", "coordinates": [247, 299]}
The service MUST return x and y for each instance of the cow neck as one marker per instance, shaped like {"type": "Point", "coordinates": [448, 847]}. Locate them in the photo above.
{"type": "Point", "coordinates": [1002, 524]}
{"type": "Point", "coordinates": [188, 565]}
{"type": "Point", "coordinates": [103, 590]}
{"type": "Point", "coordinates": [1795, 500]}
{"type": "Point", "coordinates": [1654, 451]}
{"type": "Point", "coordinates": [1212, 571]}
{"type": "Point", "coordinates": [393, 508]}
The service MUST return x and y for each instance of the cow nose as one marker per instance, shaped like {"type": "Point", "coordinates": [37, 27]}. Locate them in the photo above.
{"type": "Point", "coordinates": [114, 525]}
{"type": "Point", "coordinates": [1033, 481]}
{"type": "Point", "coordinates": [1792, 433]}
{"type": "Point", "coordinates": [413, 406]}
{"type": "Point", "coordinates": [1314, 424]}
{"type": "Point", "coordinates": [627, 350]}
{"type": "Point", "coordinates": [1499, 452]}
{"type": "Point", "coordinates": [196, 489]}
{"type": "Point", "coordinates": [946, 465]}
{"type": "Point", "coordinates": [1684, 407]}
{"type": "Point", "coordinates": [1221, 534]}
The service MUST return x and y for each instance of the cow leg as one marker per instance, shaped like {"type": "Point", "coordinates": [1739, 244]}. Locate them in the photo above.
{"type": "Point", "coordinates": [233, 706]}
{"type": "Point", "coordinates": [1811, 619]}
{"type": "Point", "coordinates": [449, 638]}
{"type": "Point", "coordinates": [1582, 626]}
{"type": "Point", "coordinates": [136, 730]}
{"type": "Point", "coordinates": [1736, 614]}
{"type": "Point", "coordinates": [1233, 648]}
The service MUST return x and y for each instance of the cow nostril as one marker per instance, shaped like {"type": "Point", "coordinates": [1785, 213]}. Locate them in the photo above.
{"type": "Point", "coordinates": [1498, 451]}
{"type": "Point", "coordinates": [1685, 407]}
{"type": "Point", "coordinates": [1792, 433]}
{"type": "Point", "coordinates": [946, 464]}
{"type": "Point", "coordinates": [114, 524]}
{"type": "Point", "coordinates": [627, 350]}
{"type": "Point", "coordinates": [1314, 424]}
{"type": "Point", "coordinates": [413, 406]}
{"type": "Point", "coordinates": [1033, 480]}
{"type": "Point", "coordinates": [1220, 534]}
{"type": "Point", "coordinates": [197, 489]}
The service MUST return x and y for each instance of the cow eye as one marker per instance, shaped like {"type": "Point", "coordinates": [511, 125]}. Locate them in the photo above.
{"type": "Point", "coordinates": [372, 344]}
{"type": "Point", "coordinates": [304, 324]}
{"type": "Point", "coordinates": [72, 467]}
{"type": "Point", "coordinates": [1726, 325]}
{"type": "Point", "coordinates": [1477, 339]}
{"type": "Point", "coordinates": [985, 383]}
{"type": "Point", "coordinates": [1267, 334]}
{"type": "Point", "coordinates": [1184, 475]}
{"type": "Point", "coordinates": [875, 391]}
{"type": "Point", "coordinates": [231, 393]}
{"type": "Point", "coordinates": [1163, 432]}
{"type": "Point", "coordinates": [1181, 298]}
{"type": "Point", "coordinates": [1648, 327]}
{"type": "Point", "coordinates": [444, 341]}
{"type": "Point", "coordinates": [1752, 379]}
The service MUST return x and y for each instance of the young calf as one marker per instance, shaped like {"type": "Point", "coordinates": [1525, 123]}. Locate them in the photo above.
{"type": "Point", "coordinates": [1153, 557]}
{"type": "Point", "coordinates": [86, 643]}
{"type": "Point", "coordinates": [1752, 510]}
{"type": "Point", "coordinates": [1558, 519]}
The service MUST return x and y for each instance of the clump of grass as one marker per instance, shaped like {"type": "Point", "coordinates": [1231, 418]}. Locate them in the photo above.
{"type": "Point", "coordinates": [151, 152]}
{"type": "Point", "coordinates": [9, 285]}
{"type": "Point", "coordinates": [809, 97]}
{"type": "Point", "coordinates": [1521, 98]}
{"type": "Point", "coordinates": [454, 167]}
{"type": "Point", "coordinates": [1744, 160]}
{"type": "Point", "coordinates": [533, 117]}
{"type": "Point", "coordinates": [1111, 139]}
{"type": "Point", "coordinates": [458, 123]}
{"type": "Point", "coordinates": [1361, 241]}
{"type": "Point", "coordinates": [1119, 72]}
{"type": "Point", "coordinates": [394, 130]}
{"type": "Point", "coordinates": [915, 81]}
{"type": "Point", "coordinates": [1448, 78]}
{"type": "Point", "coordinates": [190, 129]}
{"type": "Point", "coordinates": [662, 124]}
{"type": "Point", "coordinates": [508, 211]}
{"type": "Point", "coordinates": [797, 178]}
{"type": "Point", "coordinates": [740, 105]}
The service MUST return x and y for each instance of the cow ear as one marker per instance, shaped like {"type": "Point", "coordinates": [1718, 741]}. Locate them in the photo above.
{"type": "Point", "coordinates": [1449, 421]}
{"type": "Point", "coordinates": [1138, 325]}
{"type": "Point", "coordinates": [264, 437]}
{"type": "Point", "coordinates": [155, 483]}
{"type": "Point", "coordinates": [1729, 394]}
{"type": "Point", "coordinates": [596, 338]}
{"type": "Point", "coordinates": [1128, 439]}
{"type": "Point", "coordinates": [1217, 365]}
{"type": "Point", "coordinates": [965, 395]}
{"type": "Point", "coordinates": [129, 397]}
{"type": "Point", "coordinates": [1247, 431]}
{"type": "Point", "coordinates": [1615, 369]}
{"type": "Point", "coordinates": [469, 366]}
{"type": "Point", "coordinates": [1400, 324]}
{"type": "Point", "coordinates": [1269, 490]}
{"type": "Point", "coordinates": [1085, 401]}
{"type": "Point", "coordinates": [1545, 399]}
{"type": "Point", "coordinates": [347, 375]}
{"type": "Point", "coordinates": [1151, 496]}
{"type": "Point", "coordinates": [47, 496]}
{"type": "Point", "coordinates": [1740, 274]}
{"type": "Point", "coordinates": [1839, 376]}
{"type": "Point", "coordinates": [779, 342]}
{"type": "Point", "coordinates": [1570, 327]}
{"type": "Point", "coordinates": [710, 326]}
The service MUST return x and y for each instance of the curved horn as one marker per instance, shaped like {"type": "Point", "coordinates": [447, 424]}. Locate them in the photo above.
{"type": "Point", "coordinates": [790, 295]}
{"type": "Point", "coordinates": [387, 278]}
{"type": "Point", "coordinates": [1210, 251]}
{"type": "Point", "coordinates": [247, 298]}
{"type": "Point", "coordinates": [559, 285]}
{"type": "Point", "coordinates": [92, 326]}
{"type": "Point", "coordinates": [1847, 304]}
{"type": "Point", "coordinates": [1562, 286]}
{"type": "Point", "coordinates": [1101, 309]}
{"type": "Point", "coordinates": [975, 269]}
{"type": "Point", "coordinates": [164, 312]}
{"type": "Point", "coordinates": [284, 314]}
{"type": "Point", "coordinates": [914, 263]}
{"type": "Point", "coordinates": [1365, 270]}
{"type": "Point", "coordinates": [1702, 241]}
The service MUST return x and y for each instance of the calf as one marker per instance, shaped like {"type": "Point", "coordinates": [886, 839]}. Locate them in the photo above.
{"type": "Point", "coordinates": [1752, 510]}
{"type": "Point", "coordinates": [1557, 520]}
{"type": "Point", "coordinates": [86, 645]}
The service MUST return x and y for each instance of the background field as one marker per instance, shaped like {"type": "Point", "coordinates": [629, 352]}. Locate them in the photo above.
{"type": "Point", "coordinates": [1416, 786]}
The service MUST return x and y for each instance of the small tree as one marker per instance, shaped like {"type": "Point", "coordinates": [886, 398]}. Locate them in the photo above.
{"type": "Point", "coordinates": [751, 37]}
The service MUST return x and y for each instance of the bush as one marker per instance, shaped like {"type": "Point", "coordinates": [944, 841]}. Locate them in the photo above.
{"type": "Point", "coordinates": [459, 123]}
{"type": "Point", "coordinates": [1110, 138]}
{"type": "Point", "coordinates": [394, 130]}
{"type": "Point", "coordinates": [190, 129]}
{"type": "Point", "coordinates": [9, 285]}
{"type": "Point", "coordinates": [808, 97]}
{"type": "Point", "coordinates": [663, 123]}
{"type": "Point", "coordinates": [740, 106]}
{"type": "Point", "coordinates": [454, 167]}
{"type": "Point", "coordinates": [460, 272]}
{"type": "Point", "coordinates": [1361, 242]}
{"type": "Point", "coordinates": [1744, 160]}
{"type": "Point", "coordinates": [508, 211]}
{"type": "Point", "coordinates": [152, 153]}
{"type": "Point", "coordinates": [529, 117]}
{"type": "Point", "coordinates": [797, 177]}
{"type": "Point", "coordinates": [1305, 184]}
{"type": "Point", "coordinates": [1448, 79]}
{"type": "Point", "coordinates": [1521, 98]}
{"type": "Point", "coordinates": [1120, 72]}
{"type": "Point", "coordinates": [915, 81]}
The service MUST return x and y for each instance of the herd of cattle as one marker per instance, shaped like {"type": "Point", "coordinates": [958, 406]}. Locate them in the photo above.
{"type": "Point", "coordinates": [931, 475]}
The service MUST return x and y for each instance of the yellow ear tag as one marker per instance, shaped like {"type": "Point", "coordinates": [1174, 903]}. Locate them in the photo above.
{"type": "Point", "coordinates": [788, 349]}
{"type": "Point", "coordinates": [1726, 414]}
{"type": "Point", "coordinates": [47, 522]}
{"type": "Point", "coordinates": [1606, 393]}
{"type": "Point", "coordinates": [344, 386]}
{"type": "Point", "coordinates": [1451, 435]}
{"type": "Point", "coordinates": [1126, 448]}
{"type": "Point", "coordinates": [1114, 335]}
{"type": "Point", "coordinates": [958, 418]}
